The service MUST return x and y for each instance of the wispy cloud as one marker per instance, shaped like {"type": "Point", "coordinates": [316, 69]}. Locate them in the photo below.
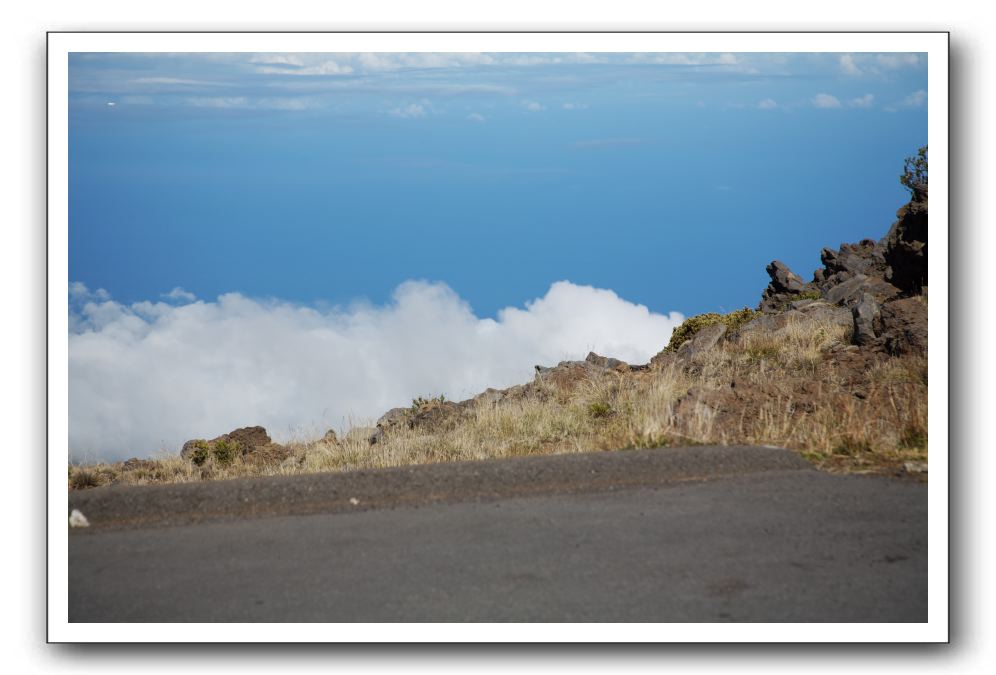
{"type": "Point", "coordinates": [879, 65]}
{"type": "Point", "coordinates": [768, 104]}
{"type": "Point", "coordinates": [825, 101]}
{"type": "Point", "coordinates": [289, 103]}
{"type": "Point", "coordinates": [179, 81]}
{"type": "Point", "coordinates": [897, 61]}
{"type": "Point", "coordinates": [686, 59]}
{"type": "Point", "coordinates": [848, 66]}
{"type": "Point", "coordinates": [278, 59]}
{"type": "Point", "coordinates": [328, 67]}
{"type": "Point", "coordinates": [410, 111]}
{"type": "Point", "coordinates": [915, 100]}
{"type": "Point", "coordinates": [218, 101]}
{"type": "Point", "coordinates": [476, 117]}
{"type": "Point", "coordinates": [534, 81]}
{"type": "Point", "coordinates": [866, 101]}
{"type": "Point", "coordinates": [179, 295]}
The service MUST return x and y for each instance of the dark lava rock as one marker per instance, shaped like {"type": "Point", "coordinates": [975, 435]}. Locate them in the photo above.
{"type": "Point", "coordinates": [866, 316]}
{"type": "Point", "coordinates": [849, 293]}
{"type": "Point", "coordinates": [784, 288]}
{"type": "Point", "coordinates": [905, 246]}
{"type": "Point", "coordinates": [432, 415]}
{"type": "Point", "coordinates": [784, 280]}
{"type": "Point", "coordinates": [904, 326]}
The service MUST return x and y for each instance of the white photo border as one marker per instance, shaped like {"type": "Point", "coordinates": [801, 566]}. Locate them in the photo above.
{"type": "Point", "coordinates": [61, 44]}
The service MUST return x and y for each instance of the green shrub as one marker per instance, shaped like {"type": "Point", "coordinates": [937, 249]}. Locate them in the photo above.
{"type": "Point", "coordinates": [914, 176]}
{"type": "Point", "coordinates": [691, 326]}
{"type": "Point", "coordinates": [420, 402]}
{"type": "Point", "coordinates": [599, 409]}
{"type": "Point", "coordinates": [225, 452]}
{"type": "Point", "coordinates": [201, 452]}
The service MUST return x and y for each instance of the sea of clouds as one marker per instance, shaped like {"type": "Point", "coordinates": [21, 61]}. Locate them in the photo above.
{"type": "Point", "coordinates": [147, 376]}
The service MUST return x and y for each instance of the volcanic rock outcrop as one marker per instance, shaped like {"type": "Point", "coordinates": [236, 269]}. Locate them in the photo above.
{"type": "Point", "coordinates": [250, 444]}
{"type": "Point", "coordinates": [876, 281]}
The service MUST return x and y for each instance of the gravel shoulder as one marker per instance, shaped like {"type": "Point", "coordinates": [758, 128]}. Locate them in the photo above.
{"type": "Point", "coordinates": [118, 506]}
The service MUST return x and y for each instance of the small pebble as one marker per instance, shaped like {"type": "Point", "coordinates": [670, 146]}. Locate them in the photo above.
{"type": "Point", "coordinates": [354, 501]}
{"type": "Point", "coordinates": [77, 519]}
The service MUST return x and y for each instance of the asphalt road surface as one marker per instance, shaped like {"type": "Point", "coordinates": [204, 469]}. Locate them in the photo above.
{"type": "Point", "coordinates": [691, 534]}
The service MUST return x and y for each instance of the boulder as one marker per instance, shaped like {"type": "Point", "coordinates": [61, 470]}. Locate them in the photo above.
{"type": "Point", "coordinates": [864, 257]}
{"type": "Point", "coordinates": [566, 375]}
{"type": "Point", "coordinates": [430, 415]}
{"type": "Point", "coordinates": [250, 437]}
{"type": "Point", "coordinates": [606, 362]}
{"type": "Point", "coordinates": [799, 304]}
{"type": "Point", "coordinates": [808, 313]}
{"type": "Point", "coordinates": [865, 315]}
{"type": "Point", "coordinates": [904, 326]}
{"type": "Point", "coordinates": [251, 444]}
{"type": "Point", "coordinates": [663, 360]}
{"type": "Point", "coordinates": [905, 246]}
{"type": "Point", "coordinates": [489, 397]}
{"type": "Point", "coordinates": [784, 288]}
{"type": "Point", "coordinates": [850, 292]}
{"type": "Point", "coordinates": [436, 416]}
{"type": "Point", "coordinates": [393, 418]}
{"type": "Point", "coordinates": [494, 397]}
{"type": "Point", "coordinates": [783, 280]}
{"type": "Point", "coordinates": [691, 351]}
{"type": "Point", "coordinates": [135, 464]}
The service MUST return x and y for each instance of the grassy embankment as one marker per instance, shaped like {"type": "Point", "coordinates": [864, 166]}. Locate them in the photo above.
{"type": "Point", "coordinates": [792, 389]}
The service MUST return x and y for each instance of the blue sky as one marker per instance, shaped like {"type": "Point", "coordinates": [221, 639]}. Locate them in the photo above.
{"type": "Point", "coordinates": [671, 179]}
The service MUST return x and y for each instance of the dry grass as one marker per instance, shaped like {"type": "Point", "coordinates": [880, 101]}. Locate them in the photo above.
{"type": "Point", "coordinates": [792, 388]}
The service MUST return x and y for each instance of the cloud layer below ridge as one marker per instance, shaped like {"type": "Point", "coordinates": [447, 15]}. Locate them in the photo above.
{"type": "Point", "coordinates": [147, 376]}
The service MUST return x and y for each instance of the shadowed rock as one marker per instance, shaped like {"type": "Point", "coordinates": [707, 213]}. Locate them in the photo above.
{"type": "Point", "coordinates": [905, 246]}
{"type": "Point", "coordinates": [904, 326]}
{"type": "Point", "coordinates": [784, 288]}
{"type": "Point", "coordinates": [849, 293]}
{"type": "Point", "coordinates": [431, 415]}
{"type": "Point", "coordinates": [866, 315]}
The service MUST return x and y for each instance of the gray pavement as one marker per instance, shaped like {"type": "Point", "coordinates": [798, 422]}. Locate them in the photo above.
{"type": "Point", "coordinates": [764, 539]}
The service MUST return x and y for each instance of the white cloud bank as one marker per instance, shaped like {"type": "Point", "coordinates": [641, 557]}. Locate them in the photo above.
{"type": "Point", "coordinates": [146, 377]}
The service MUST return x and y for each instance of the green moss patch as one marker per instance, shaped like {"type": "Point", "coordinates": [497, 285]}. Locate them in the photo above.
{"type": "Point", "coordinates": [692, 325]}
